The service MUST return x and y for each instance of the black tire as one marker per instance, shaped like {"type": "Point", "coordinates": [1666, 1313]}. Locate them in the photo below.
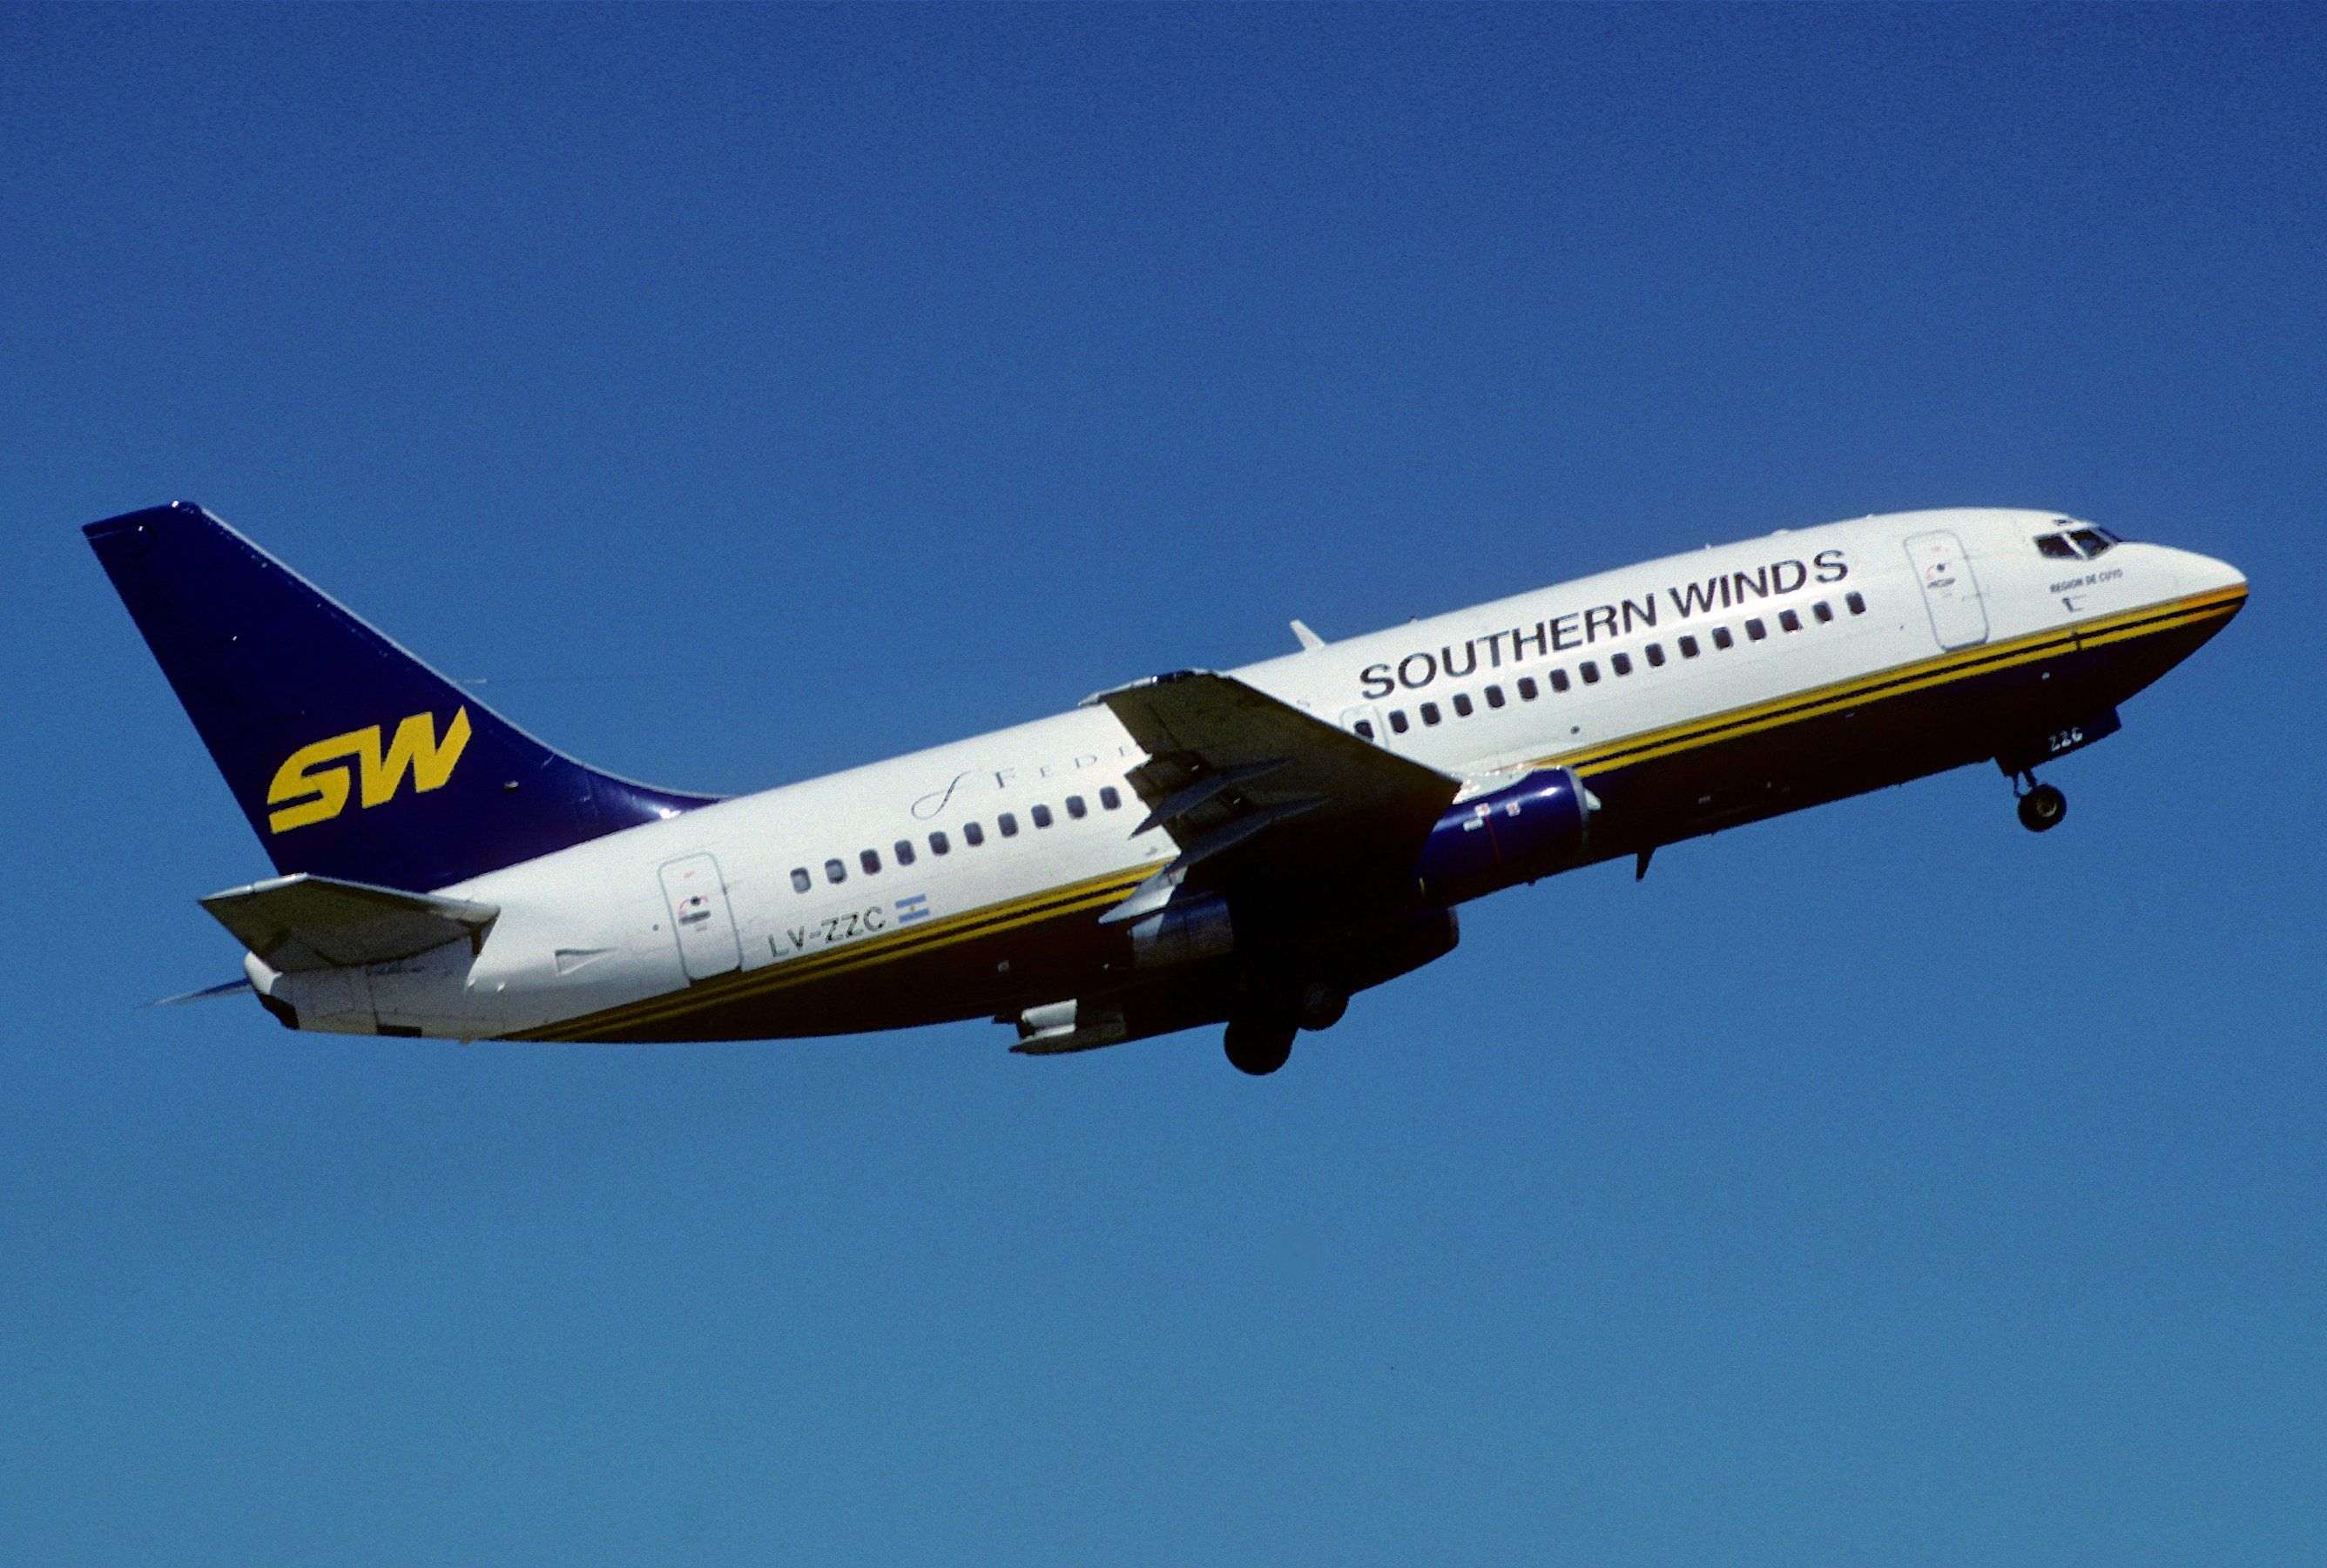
{"type": "Point", "coordinates": [1321, 1007]}
{"type": "Point", "coordinates": [2042, 808]}
{"type": "Point", "coordinates": [1259, 1046]}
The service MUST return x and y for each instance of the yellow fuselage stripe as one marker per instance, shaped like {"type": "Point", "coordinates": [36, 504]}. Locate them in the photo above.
{"type": "Point", "coordinates": [1897, 681]}
{"type": "Point", "coordinates": [990, 919]}
{"type": "Point", "coordinates": [1648, 745]}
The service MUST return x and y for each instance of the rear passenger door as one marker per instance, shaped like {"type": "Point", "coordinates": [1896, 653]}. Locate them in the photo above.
{"type": "Point", "coordinates": [700, 917]}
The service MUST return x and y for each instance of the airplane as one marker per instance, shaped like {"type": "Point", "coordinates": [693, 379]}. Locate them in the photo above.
{"type": "Point", "coordinates": [1249, 847]}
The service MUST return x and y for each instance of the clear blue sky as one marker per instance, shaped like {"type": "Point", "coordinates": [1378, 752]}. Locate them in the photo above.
{"type": "Point", "coordinates": [751, 393]}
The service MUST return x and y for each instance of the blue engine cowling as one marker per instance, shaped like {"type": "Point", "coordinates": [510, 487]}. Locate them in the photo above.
{"type": "Point", "coordinates": [1519, 833]}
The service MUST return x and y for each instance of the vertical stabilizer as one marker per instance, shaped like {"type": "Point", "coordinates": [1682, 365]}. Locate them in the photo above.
{"type": "Point", "coordinates": [350, 757]}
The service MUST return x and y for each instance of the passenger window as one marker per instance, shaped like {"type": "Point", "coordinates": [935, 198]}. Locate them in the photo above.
{"type": "Point", "coordinates": [1430, 713]}
{"type": "Point", "coordinates": [938, 843]}
{"type": "Point", "coordinates": [1656, 655]}
{"type": "Point", "coordinates": [1559, 680]}
{"type": "Point", "coordinates": [834, 871]}
{"type": "Point", "coordinates": [1789, 620]}
{"type": "Point", "coordinates": [1722, 638]}
{"type": "Point", "coordinates": [799, 879]}
{"type": "Point", "coordinates": [1755, 630]}
{"type": "Point", "coordinates": [1397, 719]}
{"type": "Point", "coordinates": [972, 835]}
{"type": "Point", "coordinates": [904, 848]}
{"type": "Point", "coordinates": [1042, 815]}
{"type": "Point", "coordinates": [871, 861]}
{"type": "Point", "coordinates": [1526, 689]}
{"type": "Point", "coordinates": [1688, 647]}
{"type": "Point", "coordinates": [1857, 605]}
{"type": "Point", "coordinates": [1620, 662]}
{"type": "Point", "coordinates": [1008, 823]}
{"type": "Point", "coordinates": [1823, 610]}
{"type": "Point", "coordinates": [1589, 671]}
{"type": "Point", "coordinates": [2056, 546]}
{"type": "Point", "coordinates": [1076, 808]}
{"type": "Point", "coordinates": [2093, 541]}
{"type": "Point", "coordinates": [1461, 705]}
{"type": "Point", "coordinates": [1364, 728]}
{"type": "Point", "coordinates": [1494, 696]}
{"type": "Point", "coordinates": [1109, 796]}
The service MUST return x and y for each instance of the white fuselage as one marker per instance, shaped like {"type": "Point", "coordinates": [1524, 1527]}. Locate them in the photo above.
{"type": "Point", "coordinates": [641, 914]}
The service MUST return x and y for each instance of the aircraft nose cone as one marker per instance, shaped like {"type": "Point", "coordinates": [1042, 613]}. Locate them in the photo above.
{"type": "Point", "coordinates": [2210, 575]}
{"type": "Point", "coordinates": [2194, 574]}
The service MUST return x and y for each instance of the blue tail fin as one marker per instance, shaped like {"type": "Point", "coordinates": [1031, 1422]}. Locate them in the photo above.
{"type": "Point", "coordinates": [350, 757]}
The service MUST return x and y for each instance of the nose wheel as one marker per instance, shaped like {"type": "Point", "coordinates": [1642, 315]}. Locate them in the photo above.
{"type": "Point", "coordinates": [2041, 807]}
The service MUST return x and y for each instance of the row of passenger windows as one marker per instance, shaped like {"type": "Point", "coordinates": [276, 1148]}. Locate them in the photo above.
{"type": "Point", "coordinates": [1756, 630]}
{"type": "Point", "coordinates": [973, 833]}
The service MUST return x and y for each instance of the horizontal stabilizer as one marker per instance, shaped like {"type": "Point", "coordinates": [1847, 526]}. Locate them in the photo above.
{"type": "Point", "coordinates": [319, 922]}
{"type": "Point", "coordinates": [206, 994]}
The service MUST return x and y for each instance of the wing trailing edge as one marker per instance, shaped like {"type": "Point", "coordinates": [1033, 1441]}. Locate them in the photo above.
{"type": "Point", "coordinates": [1229, 767]}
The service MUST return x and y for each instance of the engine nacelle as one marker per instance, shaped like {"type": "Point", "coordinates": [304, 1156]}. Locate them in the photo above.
{"type": "Point", "coordinates": [1517, 833]}
{"type": "Point", "coordinates": [1323, 968]}
{"type": "Point", "coordinates": [1183, 932]}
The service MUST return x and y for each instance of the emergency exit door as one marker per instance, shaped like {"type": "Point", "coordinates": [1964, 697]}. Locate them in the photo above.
{"type": "Point", "coordinates": [699, 915]}
{"type": "Point", "coordinates": [1950, 593]}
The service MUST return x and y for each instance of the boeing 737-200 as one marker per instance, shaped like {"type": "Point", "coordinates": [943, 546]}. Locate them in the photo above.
{"type": "Point", "coordinates": [1251, 847]}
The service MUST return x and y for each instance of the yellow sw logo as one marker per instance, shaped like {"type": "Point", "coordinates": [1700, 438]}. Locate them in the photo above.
{"type": "Point", "coordinates": [312, 785]}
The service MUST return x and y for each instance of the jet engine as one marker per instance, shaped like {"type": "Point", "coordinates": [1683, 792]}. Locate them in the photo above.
{"type": "Point", "coordinates": [1315, 973]}
{"type": "Point", "coordinates": [1183, 932]}
{"type": "Point", "coordinates": [1516, 834]}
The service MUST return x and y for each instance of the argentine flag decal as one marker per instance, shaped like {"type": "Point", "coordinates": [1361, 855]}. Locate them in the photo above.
{"type": "Point", "coordinates": [913, 909]}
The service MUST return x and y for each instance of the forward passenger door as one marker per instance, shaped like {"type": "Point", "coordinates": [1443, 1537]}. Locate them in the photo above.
{"type": "Point", "coordinates": [1950, 592]}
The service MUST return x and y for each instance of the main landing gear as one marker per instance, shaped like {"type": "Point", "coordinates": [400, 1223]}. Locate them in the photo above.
{"type": "Point", "coordinates": [1259, 1038]}
{"type": "Point", "coordinates": [2041, 806]}
{"type": "Point", "coordinates": [1259, 1043]}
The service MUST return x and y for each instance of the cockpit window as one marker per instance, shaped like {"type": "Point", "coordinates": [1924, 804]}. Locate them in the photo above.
{"type": "Point", "coordinates": [2074, 544]}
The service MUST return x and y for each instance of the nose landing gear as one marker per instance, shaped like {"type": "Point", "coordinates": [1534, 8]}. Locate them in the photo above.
{"type": "Point", "coordinates": [2041, 806]}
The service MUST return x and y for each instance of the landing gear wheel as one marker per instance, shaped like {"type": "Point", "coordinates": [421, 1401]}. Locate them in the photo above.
{"type": "Point", "coordinates": [2042, 808]}
{"type": "Point", "coordinates": [1259, 1045]}
{"type": "Point", "coordinates": [1321, 1007]}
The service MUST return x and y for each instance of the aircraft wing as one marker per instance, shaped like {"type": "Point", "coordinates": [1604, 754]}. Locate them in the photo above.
{"type": "Point", "coordinates": [1255, 792]}
{"type": "Point", "coordinates": [318, 923]}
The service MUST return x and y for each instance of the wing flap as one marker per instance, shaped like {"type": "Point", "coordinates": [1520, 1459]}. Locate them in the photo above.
{"type": "Point", "coordinates": [304, 922]}
{"type": "Point", "coordinates": [1230, 767]}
